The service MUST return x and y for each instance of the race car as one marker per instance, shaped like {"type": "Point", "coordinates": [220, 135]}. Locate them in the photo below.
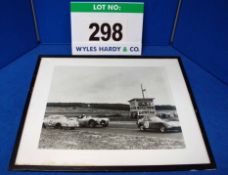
{"type": "Point", "coordinates": [89, 121]}
{"type": "Point", "coordinates": [60, 121]}
{"type": "Point", "coordinates": [156, 123]}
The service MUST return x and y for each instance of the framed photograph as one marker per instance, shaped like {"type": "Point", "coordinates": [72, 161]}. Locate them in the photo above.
{"type": "Point", "coordinates": [111, 114]}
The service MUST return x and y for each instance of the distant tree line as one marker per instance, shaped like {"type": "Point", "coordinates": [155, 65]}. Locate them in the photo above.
{"type": "Point", "coordinates": [165, 107]}
{"type": "Point", "coordinates": [112, 106]}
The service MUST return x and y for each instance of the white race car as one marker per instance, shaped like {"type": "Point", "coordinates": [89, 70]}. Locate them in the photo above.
{"type": "Point", "coordinates": [60, 121]}
{"type": "Point", "coordinates": [89, 121]}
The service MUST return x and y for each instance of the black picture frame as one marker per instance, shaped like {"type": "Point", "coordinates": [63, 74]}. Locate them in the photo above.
{"type": "Point", "coordinates": [145, 168]}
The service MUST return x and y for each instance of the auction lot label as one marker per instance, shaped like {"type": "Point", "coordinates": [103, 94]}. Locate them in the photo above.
{"type": "Point", "coordinates": [100, 28]}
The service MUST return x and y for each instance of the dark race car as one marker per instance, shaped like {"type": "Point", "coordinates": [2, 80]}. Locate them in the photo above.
{"type": "Point", "coordinates": [156, 123]}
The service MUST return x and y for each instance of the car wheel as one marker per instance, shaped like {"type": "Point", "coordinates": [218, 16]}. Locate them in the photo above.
{"type": "Point", "coordinates": [162, 129]}
{"type": "Point", "coordinates": [92, 124]}
{"type": "Point", "coordinates": [44, 126]}
{"type": "Point", "coordinates": [104, 124]}
{"type": "Point", "coordinates": [58, 126]}
{"type": "Point", "coordinates": [141, 127]}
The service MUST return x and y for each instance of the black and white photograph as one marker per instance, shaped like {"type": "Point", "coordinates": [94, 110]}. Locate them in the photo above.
{"type": "Point", "coordinates": [110, 108]}
{"type": "Point", "coordinates": [110, 114]}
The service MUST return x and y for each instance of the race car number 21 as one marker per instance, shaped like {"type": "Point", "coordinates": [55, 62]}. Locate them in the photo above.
{"type": "Point", "coordinates": [106, 31]}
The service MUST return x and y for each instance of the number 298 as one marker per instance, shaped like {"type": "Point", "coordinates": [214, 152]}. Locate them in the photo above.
{"type": "Point", "coordinates": [107, 32]}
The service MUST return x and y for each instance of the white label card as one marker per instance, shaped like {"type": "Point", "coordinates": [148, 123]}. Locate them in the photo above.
{"type": "Point", "coordinates": [100, 28]}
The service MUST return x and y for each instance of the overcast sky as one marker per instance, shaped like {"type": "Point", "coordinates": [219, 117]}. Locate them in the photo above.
{"type": "Point", "coordinates": [108, 84]}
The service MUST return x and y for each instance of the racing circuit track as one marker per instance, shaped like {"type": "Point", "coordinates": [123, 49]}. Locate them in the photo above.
{"type": "Point", "coordinates": [118, 135]}
{"type": "Point", "coordinates": [130, 128]}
